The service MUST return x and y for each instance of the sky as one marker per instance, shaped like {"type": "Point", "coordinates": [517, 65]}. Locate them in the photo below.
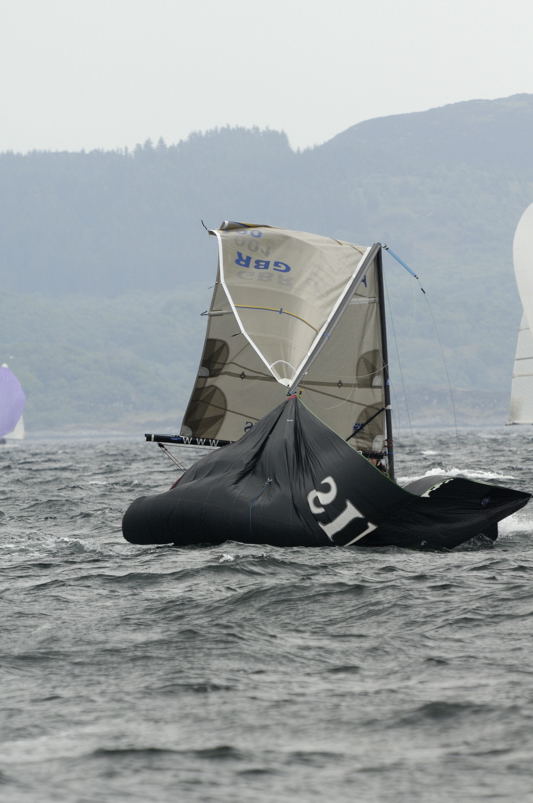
{"type": "Point", "coordinates": [86, 74]}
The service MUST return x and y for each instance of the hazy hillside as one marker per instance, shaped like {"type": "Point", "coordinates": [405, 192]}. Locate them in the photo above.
{"type": "Point", "coordinates": [114, 363]}
{"type": "Point", "coordinates": [105, 265]}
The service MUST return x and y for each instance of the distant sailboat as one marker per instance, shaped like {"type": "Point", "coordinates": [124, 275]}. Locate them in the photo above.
{"type": "Point", "coordinates": [12, 401]}
{"type": "Point", "coordinates": [522, 385]}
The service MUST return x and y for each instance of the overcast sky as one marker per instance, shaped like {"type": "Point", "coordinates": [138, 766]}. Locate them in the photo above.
{"type": "Point", "coordinates": [111, 73]}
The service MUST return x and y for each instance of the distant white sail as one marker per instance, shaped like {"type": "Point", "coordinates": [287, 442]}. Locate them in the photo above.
{"type": "Point", "coordinates": [522, 384]}
{"type": "Point", "coordinates": [19, 433]}
{"type": "Point", "coordinates": [12, 400]}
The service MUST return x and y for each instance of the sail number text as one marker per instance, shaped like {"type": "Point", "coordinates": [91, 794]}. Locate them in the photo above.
{"type": "Point", "coordinates": [318, 501]}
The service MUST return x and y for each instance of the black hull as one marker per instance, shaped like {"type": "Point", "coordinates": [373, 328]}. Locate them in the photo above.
{"type": "Point", "coordinates": [292, 482]}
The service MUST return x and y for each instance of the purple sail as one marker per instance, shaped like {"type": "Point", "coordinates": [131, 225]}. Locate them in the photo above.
{"type": "Point", "coordinates": [12, 400]}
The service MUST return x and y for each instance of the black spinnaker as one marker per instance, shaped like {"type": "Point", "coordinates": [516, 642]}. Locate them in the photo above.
{"type": "Point", "coordinates": [291, 481]}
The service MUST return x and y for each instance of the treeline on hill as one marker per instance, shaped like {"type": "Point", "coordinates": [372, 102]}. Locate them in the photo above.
{"type": "Point", "coordinates": [105, 264]}
{"type": "Point", "coordinates": [114, 363]}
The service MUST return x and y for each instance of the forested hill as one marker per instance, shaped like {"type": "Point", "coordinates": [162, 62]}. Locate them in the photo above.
{"type": "Point", "coordinates": [105, 265]}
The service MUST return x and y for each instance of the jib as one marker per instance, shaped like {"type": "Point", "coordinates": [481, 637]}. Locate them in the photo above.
{"type": "Point", "coordinates": [261, 264]}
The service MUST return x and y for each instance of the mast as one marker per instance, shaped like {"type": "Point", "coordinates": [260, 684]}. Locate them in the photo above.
{"type": "Point", "coordinates": [384, 351]}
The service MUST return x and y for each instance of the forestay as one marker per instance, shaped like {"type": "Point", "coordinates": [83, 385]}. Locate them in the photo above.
{"type": "Point", "coordinates": [291, 310]}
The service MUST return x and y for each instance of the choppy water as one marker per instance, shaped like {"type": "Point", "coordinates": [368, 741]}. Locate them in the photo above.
{"type": "Point", "coordinates": [240, 673]}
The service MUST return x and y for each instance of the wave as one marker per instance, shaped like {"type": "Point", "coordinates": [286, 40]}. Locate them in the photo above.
{"type": "Point", "coordinates": [453, 471]}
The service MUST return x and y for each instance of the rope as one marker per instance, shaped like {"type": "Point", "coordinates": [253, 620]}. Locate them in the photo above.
{"type": "Point", "coordinates": [435, 328]}
{"type": "Point", "coordinates": [400, 367]}
{"type": "Point", "coordinates": [280, 311]}
{"type": "Point", "coordinates": [443, 358]}
{"type": "Point", "coordinates": [400, 261]}
{"type": "Point", "coordinates": [171, 456]}
{"type": "Point", "coordinates": [357, 428]}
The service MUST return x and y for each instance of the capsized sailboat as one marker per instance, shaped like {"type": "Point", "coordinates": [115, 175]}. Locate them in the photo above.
{"type": "Point", "coordinates": [522, 384]}
{"type": "Point", "coordinates": [12, 401]}
{"type": "Point", "coordinates": [293, 385]}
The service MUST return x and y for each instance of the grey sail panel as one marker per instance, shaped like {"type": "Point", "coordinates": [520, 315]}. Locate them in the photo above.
{"type": "Point", "coordinates": [345, 385]}
{"type": "Point", "coordinates": [522, 385]}
{"type": "Point", "coordinates": [233, 388]}
{"type": "Point", "coordinates": [284, 288]}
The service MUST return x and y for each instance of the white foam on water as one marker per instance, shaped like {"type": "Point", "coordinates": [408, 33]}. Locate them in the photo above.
{"type": "Point", "coordinates": [519, 522]}
{"type": "Point", "coordinates": [459, 472]}
{"type": "Point", "coordinates": [44, 748]}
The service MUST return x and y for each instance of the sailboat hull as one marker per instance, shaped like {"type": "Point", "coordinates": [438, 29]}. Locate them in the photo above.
{"type": "Point", "coordinates": [292, 482]}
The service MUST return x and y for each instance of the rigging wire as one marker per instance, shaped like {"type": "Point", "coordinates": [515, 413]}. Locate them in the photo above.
{"type": "Point", "coordinates": [441, 348]}
{"type": "Point", "coordinates": [169, 454]}
{"type": "Point", "coordinates": [436, 330]}
{"type": "Point", "coordinates": [400, 367]}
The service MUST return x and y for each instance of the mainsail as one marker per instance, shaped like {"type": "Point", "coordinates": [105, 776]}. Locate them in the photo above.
{"type": "Point", "coordinates": [12, 400]}
{"type": "Point", "coordinates": [522, 384]}
{"type": "Point", "coordinates": [292, 311]}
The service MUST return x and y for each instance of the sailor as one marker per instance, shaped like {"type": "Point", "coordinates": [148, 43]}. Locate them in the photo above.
{"type": "Point", "coordinates": [382, 466]}
{"type": "Point", "coordinates": [378, 462]}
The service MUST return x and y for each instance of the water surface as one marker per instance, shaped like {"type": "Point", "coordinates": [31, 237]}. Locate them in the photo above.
{"type": "Point", "coordinates": [239, 673]}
